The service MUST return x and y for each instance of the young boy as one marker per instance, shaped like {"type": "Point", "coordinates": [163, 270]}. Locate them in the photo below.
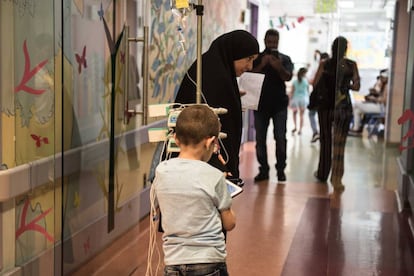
{"type": "Point", "coordinates": [193, 199]}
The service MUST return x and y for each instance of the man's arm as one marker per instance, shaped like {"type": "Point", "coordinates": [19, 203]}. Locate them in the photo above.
{"type": "Point", "coordinates": [277, 64]}
{"type": "Point", "coordinates": [259, 67]}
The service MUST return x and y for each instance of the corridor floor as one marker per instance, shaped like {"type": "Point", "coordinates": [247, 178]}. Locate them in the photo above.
{"type": "Point", "coordinates": [300, 227]}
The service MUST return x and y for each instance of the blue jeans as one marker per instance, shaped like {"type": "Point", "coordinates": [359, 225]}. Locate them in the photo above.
{"type": "Point", "coordinates": [261, 123]}
{"type": "Point", "coordinates": [312, 119]}
{"type": "Point", "coordinates": [211, 269]}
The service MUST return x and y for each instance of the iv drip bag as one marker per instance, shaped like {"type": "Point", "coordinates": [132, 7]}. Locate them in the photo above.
{"type": "Point", "coordinates": [181, 8]}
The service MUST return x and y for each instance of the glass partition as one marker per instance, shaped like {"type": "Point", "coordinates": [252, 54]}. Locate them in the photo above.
{"type": "Point", "coordinates": [28, 101]}
{"type": "Point", "coordinates": [101, 168]}
{"type": "Point", "coordinates": [73, 180]}
{"type": "Point", "coordinates": [407, 154]}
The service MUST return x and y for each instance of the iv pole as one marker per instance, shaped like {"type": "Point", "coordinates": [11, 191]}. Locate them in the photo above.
{"type": "Point", "coordinates": [199, 11]}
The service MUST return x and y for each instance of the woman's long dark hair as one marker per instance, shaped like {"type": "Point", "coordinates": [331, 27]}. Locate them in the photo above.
{"type": "Point", "coordinates": [339, 47]}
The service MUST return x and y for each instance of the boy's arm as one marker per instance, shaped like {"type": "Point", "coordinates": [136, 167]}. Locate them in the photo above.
{"type": "Point", "coordinates": [228, 219]}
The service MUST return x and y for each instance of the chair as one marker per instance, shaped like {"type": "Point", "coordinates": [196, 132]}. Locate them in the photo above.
{"type": "Point", "coordinates": [373, 123]}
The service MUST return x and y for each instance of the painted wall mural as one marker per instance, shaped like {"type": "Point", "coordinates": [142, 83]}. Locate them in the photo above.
{"type": "Point", "coordinates": [59, 99]}
{"type": "Point", "coordinates": [168, 61]}
{"type": "Point", "coordinates": [35, 107]}
{"type": "Point", "coordinates": [34, 227]}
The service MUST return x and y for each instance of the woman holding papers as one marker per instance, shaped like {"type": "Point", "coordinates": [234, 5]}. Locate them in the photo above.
{"type": "Point", "coordinates": [251, 85]}
{"type": "Point", "coordinates": [229, 56]}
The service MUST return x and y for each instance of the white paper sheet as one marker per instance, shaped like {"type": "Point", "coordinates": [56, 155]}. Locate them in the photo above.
{"type": "Point", "coordinates": [251, 83]}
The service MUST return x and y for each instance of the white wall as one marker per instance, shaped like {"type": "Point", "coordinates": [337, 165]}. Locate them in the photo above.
{"type": "Point", "coordinates": [298, 42]}
{"type": "Point", "coordinates": [263, 24]}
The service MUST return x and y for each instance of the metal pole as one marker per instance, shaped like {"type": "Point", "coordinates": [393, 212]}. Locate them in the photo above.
{"type": "Point", "coordinates": [126, 78]}
{"type": "Point", "coordinates": [145, 76]}
{"type": "Point", "coordinates": [199, 10]}
{"type": "Point", "coordinates": [131, 112]}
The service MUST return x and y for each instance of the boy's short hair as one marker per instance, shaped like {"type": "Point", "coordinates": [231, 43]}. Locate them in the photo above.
{"type": "Point", "coordinates": [195, 123]}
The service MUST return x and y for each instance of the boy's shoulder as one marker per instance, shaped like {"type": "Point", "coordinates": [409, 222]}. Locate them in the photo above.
{"type": "Point", "coordinates": [181, 162]}
{"type": "Point", "coordinates": [195, 167]}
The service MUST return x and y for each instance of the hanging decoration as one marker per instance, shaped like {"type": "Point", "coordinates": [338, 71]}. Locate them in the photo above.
{"type": "Point", "coordinates": [283, 22]}
{"type": "Point", "coordinates": [325, 6]}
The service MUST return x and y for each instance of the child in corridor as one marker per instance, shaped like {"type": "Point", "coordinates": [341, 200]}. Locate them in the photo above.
{"type": "Point", "coordinates": [299, 98]}
{"type": "Point", "coordinates": [193, 199]}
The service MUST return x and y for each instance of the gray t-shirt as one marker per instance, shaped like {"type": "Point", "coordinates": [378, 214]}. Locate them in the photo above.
{"type": "Point", "coordinates": [190, 194]}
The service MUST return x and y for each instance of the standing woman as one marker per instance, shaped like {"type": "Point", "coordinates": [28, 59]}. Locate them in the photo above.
{"type": "Point", "coordinates": [229, 56]}
{"type": "Point", "coordinates": [337, 75]}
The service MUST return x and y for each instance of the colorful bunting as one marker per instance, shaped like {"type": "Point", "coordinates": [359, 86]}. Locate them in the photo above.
{"type": "Point", "coordinates": [284, 24]}
{"type": "Point", "coordinates": [282, 21]}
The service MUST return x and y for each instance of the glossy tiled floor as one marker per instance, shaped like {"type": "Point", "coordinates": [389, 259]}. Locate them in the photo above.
{"type": "Point", "coordinates": [300, 227]}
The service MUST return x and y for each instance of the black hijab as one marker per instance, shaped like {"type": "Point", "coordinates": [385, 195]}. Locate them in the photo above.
{"type": "Point", "coordinates": [219, 85]}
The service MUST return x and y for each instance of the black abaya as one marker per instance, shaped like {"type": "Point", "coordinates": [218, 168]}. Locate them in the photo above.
{"type": "Point", "coordinates": [220, 89]}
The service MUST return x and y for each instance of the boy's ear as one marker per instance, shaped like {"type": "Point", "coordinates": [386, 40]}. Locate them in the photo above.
{"type": "Point", "coordinates": [176, 140]}
{"type": "Point", "coordinates": [210, 141]}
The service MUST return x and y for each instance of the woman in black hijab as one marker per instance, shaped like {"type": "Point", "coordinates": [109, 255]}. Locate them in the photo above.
{"type": "Point", "coordinates": [229, 56]}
